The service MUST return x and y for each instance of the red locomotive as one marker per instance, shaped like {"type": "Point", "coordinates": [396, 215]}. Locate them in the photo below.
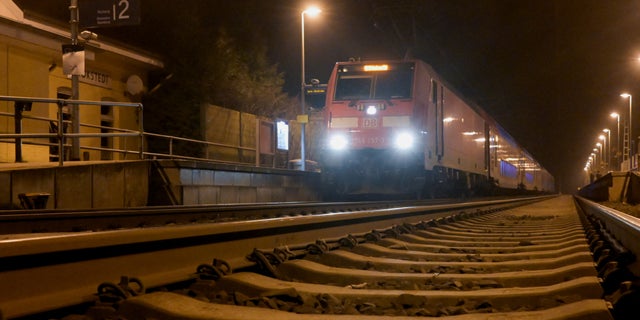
{"type": "Point", "coordinates": [398, 127]}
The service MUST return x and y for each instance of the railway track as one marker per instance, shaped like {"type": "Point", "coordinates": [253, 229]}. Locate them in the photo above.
{"type": "Point", "coordinates": [48, 221]}
{"type": "Point", "coordinates": [487, 261]}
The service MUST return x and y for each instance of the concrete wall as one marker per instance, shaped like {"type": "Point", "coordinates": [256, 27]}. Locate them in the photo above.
{"type": "Point", "coordinates": [614, 186]}
{"type": "Point", "coordinates": [79, 185]}
{"type": "Point", "coordinates": [83, 185]}
{"type": "Point", "coordinates": [191, 183]}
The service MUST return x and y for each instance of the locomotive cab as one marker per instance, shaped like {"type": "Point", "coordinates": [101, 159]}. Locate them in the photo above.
{"type": "Point", "coordinates": [373, 142]}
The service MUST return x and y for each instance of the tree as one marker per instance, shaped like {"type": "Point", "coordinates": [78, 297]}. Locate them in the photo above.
{"type": "Point", "coordinates": [217, 67]}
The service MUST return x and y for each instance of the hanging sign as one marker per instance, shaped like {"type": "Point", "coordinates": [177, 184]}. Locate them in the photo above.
{"type": "Point", "coordinates": [72, 59]}
{"type": "Point", "coordinates": [108, 13]}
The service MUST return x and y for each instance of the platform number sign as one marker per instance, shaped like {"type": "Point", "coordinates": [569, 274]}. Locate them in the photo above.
{"type": "Point", "coordinates": [108, 13]}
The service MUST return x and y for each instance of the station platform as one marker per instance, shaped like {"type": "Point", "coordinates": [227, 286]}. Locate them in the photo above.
{"type": "Point", "coordinates": [135, 183]}
{"type": "Point", "coordinates": [616, 186]}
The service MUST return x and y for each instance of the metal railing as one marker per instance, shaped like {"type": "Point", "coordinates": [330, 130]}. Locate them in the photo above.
{"type": "Point", "coordinates": [22, 104]}
{"type": "Point", "coordinates": [62, 138]}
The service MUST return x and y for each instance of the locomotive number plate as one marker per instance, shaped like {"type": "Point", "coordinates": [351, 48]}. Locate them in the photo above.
{"type": "Point", "coordinates": [369, 123]}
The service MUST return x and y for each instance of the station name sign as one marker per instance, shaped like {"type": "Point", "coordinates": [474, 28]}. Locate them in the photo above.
{"type": "Point", "coordinates": [108, 13]}
{"type": "Point", "coordinates": [96, 78]}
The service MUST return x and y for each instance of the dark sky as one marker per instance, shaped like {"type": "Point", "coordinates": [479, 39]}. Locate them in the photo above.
{"type": "Point", "coordinates": [549, 71]}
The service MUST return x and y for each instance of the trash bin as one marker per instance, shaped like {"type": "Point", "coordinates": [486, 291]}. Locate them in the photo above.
{"type": "Point", "coordinates": [34, 200]}
{"type": "Point", "coordinates": [295, 164]}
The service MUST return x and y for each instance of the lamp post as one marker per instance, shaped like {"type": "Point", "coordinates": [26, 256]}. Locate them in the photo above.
{"type": "Point", "coordinates": [617, 116]}
{"type": "Point", "coordinates": [592, 165]}
{"type": "Point", "coordinates": [603, 146]}
{"type": "Point", "coordinates": [311, 11]}
{"type": "Point", "coordinates": [629, 155]}
{"type": "Point", "coordinates": [608, 146]}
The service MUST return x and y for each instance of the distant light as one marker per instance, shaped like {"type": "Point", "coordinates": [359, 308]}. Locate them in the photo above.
{"type": "Point", "coordinates": [601, 137]}
{"type": "Point", "coordinates": [372, 110]}
{"type": "Point", "coordinates": [376, 67]}
{"type": "Point", "coordinates": [625, 95]}
{"type": "Point", "coordinates": [614, 115]}
{"type": "Point", "coordinates": [448, 119]}
{"type": "Point", "coordinates": [605, 130]}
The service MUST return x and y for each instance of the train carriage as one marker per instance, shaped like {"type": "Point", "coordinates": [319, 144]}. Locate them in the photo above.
{"type": "Point", "coordinates": [397, 127]}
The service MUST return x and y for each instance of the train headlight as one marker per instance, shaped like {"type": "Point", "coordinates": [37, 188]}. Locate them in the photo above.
{"type": "Point", "coordinates": [372, 110]}
{"type": "Point", "coordinates": [404, 140]}
{"type": "Point", "coordinates": [338, 142]}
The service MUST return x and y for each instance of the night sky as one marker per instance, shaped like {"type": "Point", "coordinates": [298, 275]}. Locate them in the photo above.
{"type": "Point", "coordinates": [549, 71]}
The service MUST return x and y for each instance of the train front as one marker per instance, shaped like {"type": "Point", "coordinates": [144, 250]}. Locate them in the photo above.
{"type": "Point", "coordinates": [371, 144]}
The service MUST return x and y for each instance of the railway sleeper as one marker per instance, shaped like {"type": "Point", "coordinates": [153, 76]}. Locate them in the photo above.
{"type": "Point", "coordinates": [250, 289]}
{"type": "Point", "coordinates": [369, 249]}
{"type": "Point", "coordinates": [498, 223]}
{"type": "Point", "coordinates": [171, 306]}
{"type": "Point", "coordinates": [500, 230]}
{"type": "Point", "coordinates": [312, 272]}
{"type": "Point", "coordinates": [490, 237]}
{"type": "Point", "coordinates": [522, 247]}
{"type": "Point", "coordinates": [449, 243]}
{"type": "Point", "coordinates": [345, 258]}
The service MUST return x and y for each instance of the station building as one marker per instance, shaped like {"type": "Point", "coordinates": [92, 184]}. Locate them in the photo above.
{"type": "Point", "coordinates": [31, 65]}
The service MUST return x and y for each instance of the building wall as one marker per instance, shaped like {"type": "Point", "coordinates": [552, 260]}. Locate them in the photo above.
{"type": "Point", "coordinates": [31, 66]}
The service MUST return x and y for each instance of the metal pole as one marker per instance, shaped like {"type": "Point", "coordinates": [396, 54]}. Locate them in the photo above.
{"type": "Point", "coordinates": [17, 117]}
{"type": "Point", "coordinates": [302, 99]}
{"type": "Point", "coordinates": [608, 150]}
{"type": "Point", "coordinates": [630, 132]}
{"type": "Point", "coordinates": [618, 145]}
{"type": "Point", "coordinates": [60, 134]}
{"type": "Point", "coordinates": [75, 94]}
{"type": "Point", "coordinates": [140, 110]}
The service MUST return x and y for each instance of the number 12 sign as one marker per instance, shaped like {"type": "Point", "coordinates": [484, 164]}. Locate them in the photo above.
{"type": "Point", "coordinates": [108, 13]}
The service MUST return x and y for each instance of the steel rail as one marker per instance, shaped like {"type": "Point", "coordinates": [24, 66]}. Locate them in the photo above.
{"type": "Point", "coordinates": [624, 227]}
{"type": "Point", "coordinates": [59, 220]}
{"type": "Point", "coordinates": [48, 271]}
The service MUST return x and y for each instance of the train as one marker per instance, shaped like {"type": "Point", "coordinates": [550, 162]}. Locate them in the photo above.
{"type": "Point", "coordinates": [397, 127]}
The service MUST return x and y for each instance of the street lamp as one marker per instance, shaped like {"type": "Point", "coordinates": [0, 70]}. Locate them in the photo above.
{"type": "Point", "coordinates": [605, 159]}
{"type": "Point", "coordinates": [312, 12]}
{"type": "Point", "coordinates": [629, 155]}
{"type": "Point", "coordinates": [608, 146]}
{"type": "Point", "coordinates": [617, 116]}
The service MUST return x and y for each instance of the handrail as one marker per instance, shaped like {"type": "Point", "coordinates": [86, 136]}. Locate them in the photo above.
{"type": "Point", "coordinates": [62, 137]}
{"type": "Point", "coordinates": [22, 104]}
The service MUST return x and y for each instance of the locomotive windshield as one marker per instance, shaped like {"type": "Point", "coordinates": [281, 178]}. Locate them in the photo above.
{"type": "Point", "coordinates": [366, 82]}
